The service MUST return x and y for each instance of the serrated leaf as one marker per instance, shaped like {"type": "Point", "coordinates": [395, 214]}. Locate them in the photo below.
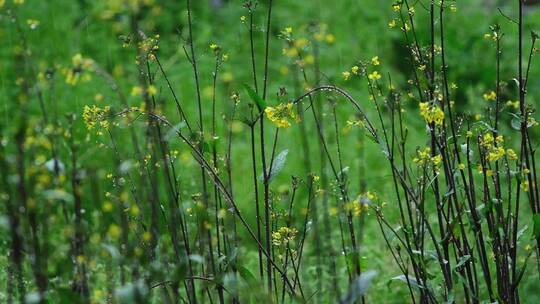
{"type": "Point", "coordinates": [261, 104]}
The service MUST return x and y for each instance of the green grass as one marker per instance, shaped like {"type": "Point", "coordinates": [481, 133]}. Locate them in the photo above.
{"type": "Point", "coordinates": [361, 31]}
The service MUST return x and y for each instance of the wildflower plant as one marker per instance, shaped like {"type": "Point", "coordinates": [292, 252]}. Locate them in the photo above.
{"type": "Point", "coordinates": [260, 185]}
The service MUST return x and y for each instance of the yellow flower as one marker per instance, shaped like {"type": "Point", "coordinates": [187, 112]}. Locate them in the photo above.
{"type": "Point", "coordinates": [436, 160]}
{"type": "Point", "coordinates": [525, 186]}
{"type": "Point", "coordinates": [392, 23]}
{"type": "Point", "coordinates": [95, 115]}
{"type": "Point", "coordinates": [329, 38]}
{"type": "Point", "coordinates": [461, 166]}
{"type": "Point", "coordinates": [213, 46]}
{"type": "Point", "coordinates": [288, 30]}
{"type": "Point", "coordinates": [114, 231]}
{"type": "Point", "coordinates": [284, 235]}
{"type": "Point", "coordinates": [513, 104]}
{"type": "Point", "coordinates": [152, 90]}
{"type": "Point", "coordinates": [136, 91]}
{"type": "Point", "coordinates": [346, 75]}
{"type": "Point", "coordinates": [511, 154]}
{"type": "Point", "coordinates": [496, 154]}
{"type": "Point", "coordinates": [491, 95]}
{"type": "Point", "coordinates": [107, 206]}
{"type": "Point", "coordinates": [431, 114]}
{"type": "Point", "coordinates": [374, 76]}
{"type": "Point", "coordinates": [423, 156]}
{"type": "Point", "coordinates": [375, 60]}
{"type": "Point", "coordinates": [355, 69]}
{"type": "Point", "coordinates": [396, 7]}
{"type": "Point", "coordinates": [243, 18]}
{"type": "Point", "coordinates": [32, 23]}
{"type": "Point", "coordinates": [146, 236]}
{"type": "Point", "coordinates": [280, 115]}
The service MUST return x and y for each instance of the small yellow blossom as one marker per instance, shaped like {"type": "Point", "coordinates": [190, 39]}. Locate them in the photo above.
{"type": "Point", "coordinates": [283, 235]}
{"type": "Point", "coordinates": [511, 154]}
{"type": "Point", "coordinates": [93, 115]}
{"type": "Point", "coordinates": [114, 231]}
{"type": "Point", "coordinates": [32, 23]}
{"type": "Point", "coordinates": [375, 60]}
{"type": "Point", "coordinates": [136, 91]}
{"type": "Point", "coordinates": [152, 90]}
{"type": "Point", "coordinates": [281, 114]}
{"type": "Point", "coordinates": [491, 95]}
{"type": "Point", "coordinates": [146, 236]}
{"type": "Point", "coordinates": [374, 76]}
{"type": "Point", "coordinates": [346, 75]}
{"type": "Point", "coordinates": [431, 114]}
{"type": "Point", "coordinates": [107, 206]}
{"type": "Point", "coordinates": [329, 38]}
{"type": "Point", "coordinates": [525, 186]}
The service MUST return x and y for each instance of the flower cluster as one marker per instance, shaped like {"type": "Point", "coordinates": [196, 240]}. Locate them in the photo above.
{"type": "Point", "coordinates": [280, 115]}
{"type": "Point", "coordinates": [78, 71]}
{"type": "Point", "coordinates": [93, 115]}
{"type": "Point", "coordinates": [360, 69]}
{"type": "Point", "coordinates": [361, 203]}
{"type": "Point", "coordinates": [424, 157]}
{"type": "Point", "coordinates": [493, 147]}
{"type": "Point", "coordinates": [284, 235]}
{"type": "Point", "coordinates": [432, 114]}
{"type": "Point", "coordinates": [149, 46]}
{"type": "Point", "coordinates": [489, 96]}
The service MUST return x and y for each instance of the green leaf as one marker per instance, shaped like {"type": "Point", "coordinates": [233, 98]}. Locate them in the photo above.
{"type": "Point", "coordinates": [131, 292]}
{"type": "Point", "coordinates": [516, 123]}
{"type": "Point", "coordinates": [359, 287]}
{"type": "Point", "coordinates": [536, 220]}
{"type": "Point", "coordinates": [261, 104]}
{"type": "Point", "coordinates": [246, 275]}
{"type": "Point", "coordinates": [113, 251]}
{"type": "Point", "coordinates": [403, 278]}
{"type": "Point", "coordinates": [57, 194]}
{"type": "Point", "coordinates": [462, 261]}
{"type": "Point", "coordinates": [277, 165]}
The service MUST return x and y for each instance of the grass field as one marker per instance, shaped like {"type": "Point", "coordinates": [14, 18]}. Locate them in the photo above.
{"type": "Point", "coordinates": [160, 151]}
